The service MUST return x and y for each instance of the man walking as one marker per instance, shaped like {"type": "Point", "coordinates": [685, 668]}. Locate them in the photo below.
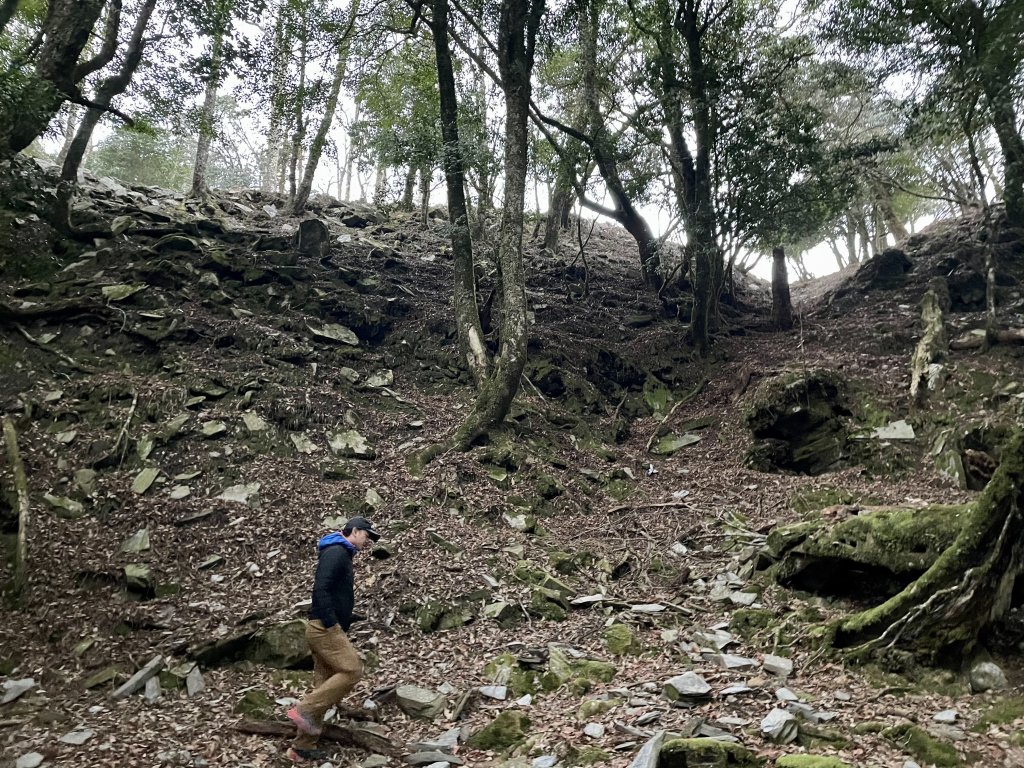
{"type": "Point", "coordinates": [336, 665]}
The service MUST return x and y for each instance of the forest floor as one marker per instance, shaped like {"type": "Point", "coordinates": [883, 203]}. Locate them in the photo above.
{"type": "Point", "coordinates": [93, 380]}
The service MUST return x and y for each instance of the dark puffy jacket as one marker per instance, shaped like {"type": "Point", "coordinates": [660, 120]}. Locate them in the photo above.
{"type": "Point", "coordinates": [333, 598]}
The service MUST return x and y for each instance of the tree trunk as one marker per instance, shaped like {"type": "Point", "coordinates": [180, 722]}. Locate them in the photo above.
{"type": "Point", "coordinates": [206, 125]}
{"type": "Point", "coordinates": [409, 188]}
{"type": "Point", "coordinates": [560, 204]}
{"type": "Point", "coordinates": [108, 88]}
{"type": "Point", "coordinates": [270, 180]}
{"type": "Point", "coordinates": [467, 313]}
{"type": "Point", "coordinates": [782, 306]}
{"type": "Point", "coordinates": [70, 129]}
{"type": "Point", "coordinates": [7, 9]}
{"type": "Point", "coordinates": [941, 614]}
{"type": "Point", "coordinates": [517, 30]}
{"type": "Point", "coordinates": [320, 139]}
{"type": "Point", "coordinates": [425, 173]}
{"type": "Point", "coordinates": [32, 101]}
{"type": "Point", "coordinates": [604, 152]}
{"type": "Point", "coordinates": [932, 348]}
{"type": "Point", "coordinates": [298, 120]}
{"type": "Point", "coordinates": [21, 494]}
{"type": "Point", "coordinates": [1004, 120]}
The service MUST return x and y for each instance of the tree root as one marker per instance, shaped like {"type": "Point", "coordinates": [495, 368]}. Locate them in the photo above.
{"type": "Point", "coordinates": [345, 735]}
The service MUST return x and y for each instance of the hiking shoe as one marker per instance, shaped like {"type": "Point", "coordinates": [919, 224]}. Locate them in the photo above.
{"type": "Point", "coordinates": [297, 755]}
{"type": "Point", "coordinates": [302, 722]}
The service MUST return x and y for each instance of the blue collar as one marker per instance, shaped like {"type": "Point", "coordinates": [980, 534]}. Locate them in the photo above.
{"type": "Point", "coordinates": [335, 538]}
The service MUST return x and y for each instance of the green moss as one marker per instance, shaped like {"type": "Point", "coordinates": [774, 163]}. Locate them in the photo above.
{"type": "Point", "coordinates": [503, 733]}
{"type": "Point", "coordinates": [924, 747]}
{"type": "Point", "coordinates": [1000, 713]}
{"type": "Point", "coordinates": [810, 761]}
{"type": "Point", "coordinates": [811, 499]}
{"type": "Point", "coordinates": [870, 726]}
{"type": "Point", "coordinates": [746, 622]}
{"type": "Point", "coordinates": [619, 640]}
{"type": "Point", "coordinates": [587, 756]}
{"type": "Point", "coordinates": [548, 604]}
{"type": "Point", "coordinates": [594, 707]}
{"type": "Point", "coordinates": [256, 704]}
{"type": "Point", "coordinates": [706, 753]}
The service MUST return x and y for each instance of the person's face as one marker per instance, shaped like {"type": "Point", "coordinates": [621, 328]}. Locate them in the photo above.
{"type": "Point", "coordinates": [360, 539]}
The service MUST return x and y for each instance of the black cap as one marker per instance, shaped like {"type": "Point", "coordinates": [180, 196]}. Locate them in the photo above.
{"type": "Point", "coordinates": [362, 524]}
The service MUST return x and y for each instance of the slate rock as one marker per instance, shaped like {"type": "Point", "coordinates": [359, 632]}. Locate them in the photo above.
{"type": "Point", "coordinates": [420, 702]}
{"type": "Point", "coordinates": [777, 665]}
{"type": "Point", "coordinates": [29, 760]}
{"type": "Point", "coordinates": [780, 726]}
{"type": "Point", "coordinates": [15, 688]}
{"type": "Point", "coordinates": [688, 685]}
{"type": "Point", "coordinates": [650, 752]}
{"type": "Point", "coordinates": [77, 738]}
{"type": "Point", "coordinates": [139, 679]}
{"type": "Point", "coordinates": [428, 758]}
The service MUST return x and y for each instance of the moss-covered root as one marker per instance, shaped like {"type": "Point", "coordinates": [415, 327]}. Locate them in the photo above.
{"type": "Point", "coordinates": [810, 761]}
{"type": "Point", "coordinates": [965, 589]}
{"type": "Point", "coordinates": [925, 748]}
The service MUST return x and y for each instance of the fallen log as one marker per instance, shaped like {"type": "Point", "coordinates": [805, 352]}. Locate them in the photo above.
{"type": "Point", "coordinates": [978, 338]}
{"type": "Point", "coordinates": [347, 735]}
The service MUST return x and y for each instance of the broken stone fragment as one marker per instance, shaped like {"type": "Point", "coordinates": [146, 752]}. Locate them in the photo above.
{"type": "Point", "coordinates": [777, 665]}
{"type": "Point", "coordinates": [420, 702]}
{"type": "Point", "coordinates": [137, 542]}
{"type": "Point", "coordinates": [780, 726]}
{"type": "Point", "coordinates": [15, 688]}
{"type": "Point", "coordinates": [144, 480]}
{"type": "Point", "coordinates": [688, 685]}
{"type": "Point", "coordinates": [139, 679]}
{"type": "Point", "coordinates": [351, 445]}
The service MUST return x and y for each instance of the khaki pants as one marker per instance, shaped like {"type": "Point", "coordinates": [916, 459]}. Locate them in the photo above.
{"type": "Point", "coordinates": [336, 670]}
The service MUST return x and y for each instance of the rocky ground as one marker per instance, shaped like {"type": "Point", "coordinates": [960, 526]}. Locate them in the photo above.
{"type": "Point", "coordinates": [196, 400]}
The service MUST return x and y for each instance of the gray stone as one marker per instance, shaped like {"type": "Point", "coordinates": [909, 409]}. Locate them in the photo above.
{"type": "Point", "coordinates": [717, 639]}
{"type": "Point", "coordinates": [649, 753]}
{"type": "Point", "coordinates": [986, 676]}
{"type": "Point", "coordinates": [688, 685]}
{"type": "Point", "coordinates": [731, 661]}
{"type": "Point", "coordinates": [420, 702]}
{"type": "Point", "coordinates": [137, 542]}
{"type": "Point", "coordinates": [240, 494]}
{"type": "Point", "coordinates": [594, 730]}
{"type": "Point", "coordinates": [743, 598]}
{"type": "Point", "coordinates": [351, 445]}
{"type": "Point", "coordinates": [780, 726]}
{"type": "Point", "coordinates": [735, 689]}
{"type": "Point", "coordinates": [77, 738]}
{"type": "Point", "coordinates": [153, 691]}
{"type": "Point", "coordinates": [777, 665]}
{"type": "Point", "coordinates": [586, 600]}
{"type": "Point", "coordinates": [647, 608]}
{"type": "Point", "coordinates": [499, 692]}
{"type": "Point", "coordinates": [544, 761]}
{"type": "Point", "coordinates": [15, 688]}
{"type": "Point", "coordinates": [29, 760]}
{"type": "Point", "coordinates": [139, 679]}
{"type": "Point", "coordinates": [947, 716]}
{"type": "Point", "coordinates": [428, 758]}
{"type": "Point", "coordinates": [374, 761]}
{"type": "Point", "coordinates": [784, 694]}
{"type": "Point", "coordinates": [894, 430]}
{"type": "Point", "coordinates": [194, 682]}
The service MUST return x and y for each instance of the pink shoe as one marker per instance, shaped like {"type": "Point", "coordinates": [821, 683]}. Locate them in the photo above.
{"type": "Point", "coordinates": [302, 722]}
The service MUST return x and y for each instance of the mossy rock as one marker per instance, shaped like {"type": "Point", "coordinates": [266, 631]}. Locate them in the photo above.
{"type": "Point", "coordinates": [567, 563]}
{"type": "Point", "coordinates": [548, 604]}
{"type": "Point", "coordinates": [256, 704]}
{"type": "Point", "coordinates": [282, 646]}
{"type": "Point", "coordinates": [810, 761]}
{"type": "Point", "coordinates": [504, 732]}
{"type": "Point", "coordinates": [924, 747]}
{"type": "Point", "coordinates": [620, 640]}
{"type": "Point", "coordinates": [593, 707]}
{"type": "Point", "coordinates": [887, 549]}
{"type": "Point", "coordinates": [706, 753]}
{"type": "Point", "coordinates": [747, 622]}
{"type": "Point", "coordinates": [587, 756]}
{"type": "Point", "coordinates": [579, 674]}
{"type": "Point", "coordinates": [1001, 712]}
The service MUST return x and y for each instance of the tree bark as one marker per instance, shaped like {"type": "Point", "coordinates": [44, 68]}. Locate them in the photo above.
{"type": "Point", "coordinates": [932, 348]}
{"type": "Point", "coordinates": [941, 614]}
{"type": "Point", "coordinates": [272, 154]}
{"type": "Point", "coordinates": [602, 146]}
{"type": "Point", "coordinates": [425, 174]}
{"type": "Point", "coordinates": [467, 313]}
{"type": "Point", "coordinates": [199, 188]}
{"type": "Point", "coordinates": [7, 9]}
{"type": "Point", "coordinates": [21, 494]}
{"type": "Point", "coordinates": [108, 88]}
{"type": "Point", "coordinates": [782, 305]}
{"type": "Point", "coordinates": [34, 100]}
{"type": "Point", "coordinates": [517, 31]}
{"type": "Point", "coordinates": [561, 202]}
{"type": "Point", "coordinates": [320, 139]}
